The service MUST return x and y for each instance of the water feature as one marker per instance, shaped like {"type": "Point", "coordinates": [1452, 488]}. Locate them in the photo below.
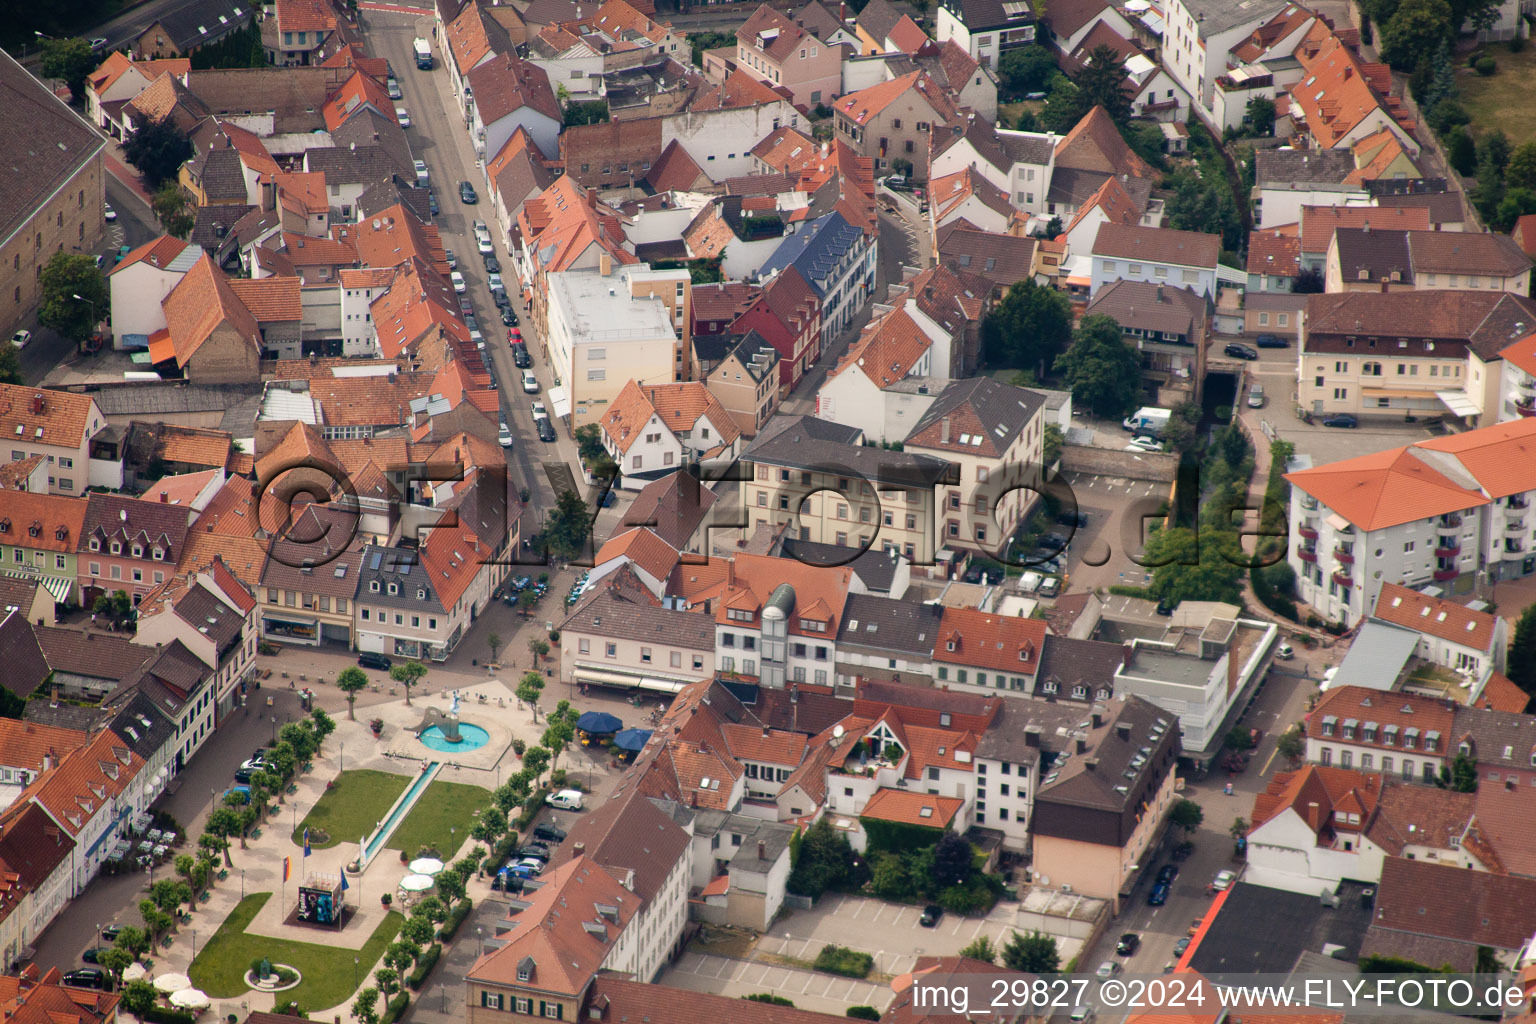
{"type": "Point", "coordinates": [471, 737]}
{"type": "Point", "coordinates": [375, 842]}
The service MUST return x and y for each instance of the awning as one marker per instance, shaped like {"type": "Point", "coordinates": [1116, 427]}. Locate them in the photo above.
{"type": "Point", "coordinates": [607, 677]}
{"type": "Point", "coordinates": [1394, 393]}
{"type": "Point", "coordinates": [161, 348]}
{"type": "Point", "coordinates": [1338, 522]}
{"type": "Point", "coordinates": [1459, 403]}
{"type": "Point", "coordinates": [58, 586]}
{"type": "Point", "coordinates": [560, 401]}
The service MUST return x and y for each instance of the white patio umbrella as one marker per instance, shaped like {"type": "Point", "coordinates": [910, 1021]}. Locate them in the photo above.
{"type": "Point", "coordinates": [169, 983]}
{"type": "Point", "coordinates": [426, 866]}
{"type": "Point", "coordinates": [134, 972]}
{"type": "Point", "coordinates": [415, 883]}
{"type": "Point", "coordinates": [190, 998]}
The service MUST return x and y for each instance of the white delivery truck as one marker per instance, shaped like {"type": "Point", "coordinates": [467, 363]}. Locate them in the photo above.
{"type": "Point", "coordinates": [1148, 420]}
{"type": "Point", "coordinates": [423, 50]}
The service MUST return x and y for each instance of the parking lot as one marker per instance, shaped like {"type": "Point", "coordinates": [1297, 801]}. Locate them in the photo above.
{"type": "Point", "coordinates": [1097, 555]}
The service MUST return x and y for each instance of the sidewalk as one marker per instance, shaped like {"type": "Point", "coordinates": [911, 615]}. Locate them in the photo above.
{"type": "Point", "coordinates": [117, 166]}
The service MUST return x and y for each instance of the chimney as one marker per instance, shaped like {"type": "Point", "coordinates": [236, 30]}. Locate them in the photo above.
{"type": "Point", "coordinates": [1082, 744]}
{"type": "Point", "coordinates": [1032, 736]}
{"type": "Point", "coordinates": [1092, 764]}
{"type": "Point", "coordinates": [762, 850]}
{"type": "Point", "coordinates": [1313, 814]}
{"type": "Point", "coordinates": [1160, 294]}
{"type": "Point", "coordinates": [605, 264]}
{"type": "Point", "coordinates": [578, 848]}
{"type": "Point", "coordinates": [1127, 655]}
{"type": "Point", "coordinates": [944, 431]}
{"type": "Point", "coordinates": [1123, 730]}
{"type": "Point", "coordinates": [165, 498]}
{"type": "Point", "coordinates": [1097, 716]}
{"type": "Point", "coordinates": [765, 732]}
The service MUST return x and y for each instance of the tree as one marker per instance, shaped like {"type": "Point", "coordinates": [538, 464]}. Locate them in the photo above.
{"type": "Point", "coordinates": [139, 996]}
{"type": "Point", "coordinates": [132, 941]}
{"type": "Point", "coordinates": [408, 675]}
{"type": "Point", "coordinates": [301, 739]}
{"type": "Point", "coordinates": [114, 962]}
{"type": "Point", "coordinates": [211, 845]}
{"type": "Point", "coordinates": [1414, 32]}
{"type": "Point", "coordinates": [174, 209]}
{"type": "Point", "coordinates": [1028, 329]}
{"type": "Point", "coordinates": [890, 878]}
{"type": "Point", "coordinates": [74, 296]}
{"type": "Point", "coordinates": [116, 606]}
{"type": "Point", "coordinates": [1261, 115]}
{"type": "Point", "coordinates": [1052, 444]}
{"type": "Point", "coordinates": [1190, 566]}
{"type": "Point", "coordinates": [557, 737]}
{"type": "Point", "coordinates": [538, 647]}
{"type": "Point", "coordinates": [526, 600]}
{"type": "Point", "coordinates": [1025, 69]}
{"type": "Point", "coordinates": [1101, 83]}
{"type": "Point", "coordinates": [398, 956]}
{"type": "Point", "coordinates": [223, 823]}
{"type": "Point", "coordinates": [567, 528]}
{"type": "Point", "coordinates": [951, 861]}
{"type": "Point", "coordinates": [536, 759]}
{"type": "Point", "coordinates": [365, 1008]}
{"type": "Point", "coordinates": [432, 908]}
{"type": "Point", "coordinates": [1521, 662]}
{"type": "Point", "coordinates": [11, 706]}
{"type": "Point", "coordinates": [351, 682]}
{"type": "Point", "coordinates": [1033, 954]}
{"type": "Point", "coordinates": [824, 861]}
{"type": "Point", "coordinates": [388, 980]}
{"type": "Point", "coordinates": [1186, 814]}
{"type": "Point", "coordinates": [1239, 827]}
{"type": "Point", "coordinates": [157, 150]}
{"type": "Point", "coordinates": [1103, 372]}
{"type": "Point", "coordinates": [1064, 106]}
{"type": "Point", "coordinates": [494, 643]}
{"type": "Point", "coordinates": [1201, 204]}
{"type": "Point", "coordinates": [418, 930]}
{"type": "Point", "coordinates": [323, 725]}
{"type": "Point", "coordinates": [528, 690]}
{"type": "Point", "coordinates": [70, 60]}
{"type": "Point", "coordinates": [1239, 739]}
{"type": "Point", "coordinates": [981, 948]}
{"type": "Point", "coordinates": [1292, 745]}
{"type": "Point", "coordinates": [1461, 776]}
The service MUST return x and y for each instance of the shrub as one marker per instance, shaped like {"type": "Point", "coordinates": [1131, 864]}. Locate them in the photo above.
{"type": "Point", "coordinates": [863, 1013]}
{"type": "Point", "coordinates": [519, 746]}
{"type": "Point", "coordinates": [395, 1008]}
{"type": "Point", "coordinates": [971, 898]}
{"type": "Point", "coordinates": [769, 998]}
{"type": "Point", "coordinates": [849, 963]}
{"type": "Point", "coordinates": [455, 918]}
{"type": "Point", "coordinates": [424, 965]}
{"type": "Point", "coordinates": [1517, 43]}
{"type": "Point", "coordinates": [1486, 66]}
{"type": "Point", "coordinates": [291, 1009]}
{"type": "Point", "coordinates": [161, 1015]}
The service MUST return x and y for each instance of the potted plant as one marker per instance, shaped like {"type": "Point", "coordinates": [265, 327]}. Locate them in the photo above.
{"type": "Point", "coordinates": [518, 746]}
{"type": "Point", "coordinates": [387, 899]}
{"type": "Point", "coordinates": [377, 725]}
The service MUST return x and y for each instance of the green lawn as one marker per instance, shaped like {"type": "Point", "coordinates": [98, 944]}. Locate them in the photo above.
{"type": "Point", "coordinates": [1503, 99]}
{"type": "Point", "coordinates": [443, 806]}
{"type": "Point", "coordinates": [351, 810]}
{"type": "Point", "coordinates": [220, 967]}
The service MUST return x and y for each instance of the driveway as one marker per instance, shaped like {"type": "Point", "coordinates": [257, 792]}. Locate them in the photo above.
{"type": "Point", "coordinates": [1098, 554]}
{"type": "Point", "coordinates": [887, 931]}
{"type": "Point", "coordinates": [808, 990]}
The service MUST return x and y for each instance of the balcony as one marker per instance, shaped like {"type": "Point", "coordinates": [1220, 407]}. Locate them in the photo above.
{"type": "Point", "coordinates": [1343, 578]}
{"type": "Point", "coordinates": [1343, 555]}
{"type": "Point", "coordinates": [1517, 502]}
{"type": "Point", "coordinates": [1527, 384]}
{"type": "Point", "coordinates": [1445, 575]}
{"type": "Point", "coordinates": [1451, 521]}
{"type": "Point", "coordinates": [1448, 547]}
{"type": "Point", "coordinates": [1307, 532]}
{"type": "Point", "coordinates": [1515, 526]}
{"type": "Point", "coordinates": [1309, 503]}
{"type": "Point", "coordinates": [1525, 406]}
{"type": "Point", "coordinates": [1514, 551]}
{"type": "Point", "coordinates": [1307, 554]}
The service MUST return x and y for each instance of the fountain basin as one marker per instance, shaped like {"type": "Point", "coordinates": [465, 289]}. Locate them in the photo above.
{"type": "Point", "coordinates": [471, 737]}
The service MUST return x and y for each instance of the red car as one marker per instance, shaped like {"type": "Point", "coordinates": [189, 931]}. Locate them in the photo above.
{"type": "Point", "coordinates": [514, 335]}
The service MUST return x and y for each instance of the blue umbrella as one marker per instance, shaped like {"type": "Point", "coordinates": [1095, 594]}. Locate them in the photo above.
{"type": "Point", "coordinates": [599, 722]}
{"type": "Point", "coordinates": [632, 739]}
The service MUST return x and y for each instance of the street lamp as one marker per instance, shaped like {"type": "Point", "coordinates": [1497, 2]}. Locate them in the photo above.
{"type": "Point", "coordinates": [354, 974]}
{"type": "Point", "coordinates": [242, 883]}
{"type": "Point", "coordinates": [194, 944]}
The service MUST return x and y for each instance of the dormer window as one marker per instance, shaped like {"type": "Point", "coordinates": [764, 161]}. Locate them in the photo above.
{"type": "Point", "coordinates": [95, 544]}
{"type": "Point", "coordinates": [35, 529]}
{"type": "Point", "coordinates": [421, 595]}
{"type": "Point", "coordinates": [949, 645]}
{"type": "Point", "coordinates": [5, 525]}
{"type": "Point", "coordinates": [138, 551]}
{"type": "Point", "coordinates": [117, 548]}
{"type": "Point", "coordinates": [159, 554]}
{"type": "Point", "coordinates": [373, 585]}
{"type": "Point", "coordinates": [394, 588]}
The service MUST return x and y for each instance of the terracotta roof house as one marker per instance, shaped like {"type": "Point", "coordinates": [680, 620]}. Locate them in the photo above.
{"type": "Point", "coordinates": [1342, 100]}
{"type": "Point", "coordinates": [895, 120]}
{"type": "Point", "coordinates": [1001, 258]}
{"type": "Point", "coordinates": [1167, 324]}
{"type": "Point", "coordinates": [1274, 260]}
{"type": "Point", "coordinates": [652, 430]}
{"type": "Point", "coordinates": [302, 28]}
{"type": "Point", "coordinates": [511, 94]}
{"type": "Point", "coordinates": [1155, 255]}
{"type": "Point", "coordinates": [1308, 829]}
{"type": "Point", "coordinates": [129, 544]}
{"type": "Point", "coordinates": [1402, 734]}
{"type": "Point", "coordinates": [210, 335]}
{"type": "Point", "coordinates": [1440, 914]}
{"type": "Point", "coordinates": [775, 50]}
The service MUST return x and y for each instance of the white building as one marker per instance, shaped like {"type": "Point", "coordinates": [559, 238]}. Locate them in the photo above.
{"type": "Point", "coordinates": [1130, 252]}
{"type": "Point", "coordinates": [1432, 511]}
{"type": "Point", "coordinates": [985, 29]}
{"type": "Point", "coordinates": [138, 284]}
{"type": "Point", "coordinates": [1200, 35]}
{"type": "Point", "coordinates": [213, 615]}
{"type": "Point", "coordinates": [359, 288]}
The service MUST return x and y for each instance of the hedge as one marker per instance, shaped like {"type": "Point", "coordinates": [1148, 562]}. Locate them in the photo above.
{"type": "Point", "coordinates": [161, 1015]}
{"type": "Point", "coordinates": [850, 963]}
{"type": "Point", "coordinates": [898, 836]}
{"type": "Point", "coordinates": [395, 1008]}
{"type": "Point", "coordinates": [863, 1013]}
{"type": "Point", "coordinates": [424, 965]}
{"type": "Point", "coordinates": [455, 918]}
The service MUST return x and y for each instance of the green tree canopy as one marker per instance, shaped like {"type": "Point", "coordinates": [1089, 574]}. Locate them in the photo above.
{"type": "Point", "coordinates": [1101, 83]}
{"type": "Point", "coordinates": [1028, 329]}
{"type": "Point", "coordinates": [1414, 32]}
{"type": "Point", "coordinates": [157, 150]}
{"type": "Point", "coordinates": [1103, 372]}
{"type": "Point", "coordinates": [1035, 953]}
{"type": "Point", "coordinates": [66, 276]}
{"type": "Point", "coordinates": [408, 675]}
{"type": "Point", "coordinates": [1186, 814]}
{"type": "Point", "coordinates": [1261, 115]}
{"type": "Point", "coordinates": [568, 526]}
{"type": "Point", "coordinates": [1195, 566]}
{"type": "Point", "coordinates": [174, 209]}
{"type": "Point", "coordinates": [70, 60]}
{"type": "Point", "coordinates": [1521, 662]}
{"type": "Point", "coordinates": [351, 682]}
{"type": "Point", "coordinates": [1026, 69]}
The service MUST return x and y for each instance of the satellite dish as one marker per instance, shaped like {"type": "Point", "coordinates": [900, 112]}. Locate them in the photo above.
{"type": "Point", "coordinates": [1137, 6]}
{"type": "Point", "coordinates": [1042, 880]}
{"type": "Point", "coordinates": [837, 732]}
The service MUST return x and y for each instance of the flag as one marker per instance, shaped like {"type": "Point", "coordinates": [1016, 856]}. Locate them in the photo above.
{"type": "Point", "coordinates": [285, 868]}
{"type": "Point", "coordinates": [306, 842]}
{"type": "Point", "coordinates": [344, 885]}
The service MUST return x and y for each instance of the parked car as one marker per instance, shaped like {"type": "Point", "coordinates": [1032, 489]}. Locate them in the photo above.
{"type": "Point", "coordinates": [514, 314]}
{"type": "Point", "coordinates": [20, 339]}
{"type": "Point", "coordinates": [458, 282]}
{"type": "Point", "coordinates": [547, 833]}
{"type": "Point", "coordinates": [492, 264]}
{"type": "Point", "coordinates": [432, 206]}
{"type": "Point", "coordinates": [1144, 444]}
{"type": "Point", "coordinates": [530, 383]}
{"type": "Point", "coordinates": [107, 213]}
{"type": "Point", "coordinates": [537, 408]}
{"type": "Point", "coordinates": [1271, 341]}
{"type": "Point", "coordinates": [483, 246]}
{"type": "Point", "coordinates": [1107, 969]}
{"type": "Point", "coordinates": [1128, 944]}
{"type": "Point", "coordinates": [1341, 419]}
{"type": "Point", "coordinates": [530, 864]}
{"type": "Point", "coordinates": [502, 299]}
{"type": "Point", "coordinates": [1182, 945]}
{"type": "Point", "coordinates": [453, 261]}
{"type": "Point", "coordinates": [931, 914]}
{"type": "Point", "coordinates": [538, 850]}
{"type": "Point", "coordinates": [93, 955]}
{"type": "Point", "coordinates": [546, 433]}
{"type": "Point", "coordinates": [1167, 873]}
{"type": "Point", "coordinates": [1077, 520]}
{"type": "Point", "coordinates": [1223, 880]}
{"type": "Point", "coordinates": [1053, 542]}
{"type": "Point", "coordinates": [1256, 397]}
{"type": "Point", "coordinates": [423, 176]}
{"type": "Point", "coordinates": [898, 183]}
{"type": "Point", "coordinates": [520, 357]}
{"type": "Point", "coordinates": [493, 279]}
{"type": "Point", "coordinates": [1159, 895]}
{"type": "Point", "coordinates": [504, 435]}
{"type": "Point", "coordinates": [393, 88]}
{"type": "Point", "coordinates": [467, 194]}
{"type": "Point", "coordinates": [1081, 1015]}
{"type": "Point", "coordinates": [472, 323]}
{"type": "Point", "coordinates": [111, 932]}
{"type": "Point", "coordinates": [1241, 352]}
{"type": "Point", "coordinates": [1285, 652]}
{"type": "Point", "coordinates": [86, 977]}
{"type": "Point", "coordinates": [98, 44]}
{"type": "Point", "coordinates": [374, 660]}
{"type": "Point", "coordinates": [403, 117]}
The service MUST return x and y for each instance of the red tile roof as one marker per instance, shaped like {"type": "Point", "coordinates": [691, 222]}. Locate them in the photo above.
{"type": "Point", "coordinates": [1002, 643]}
{"type": "Point", "coordinates": [1435, 616]}
{"type": "Point", "coordinates": [201, 302]}
{"type": "Point", "coordinates": [63, 417]}
{"type": "Point", "coordinates": [1330, 789]}
{"type": "Point", "coordinates": [1403, 710]}
{"type": "Point", "coordinates": [887, 350]}
{"type": "Point", "coordinates": [909, 808]}
{"type": "Point", "coordinates": [1385, 489]}
{"type": "Point", "coordinates": [86, 781]}
{"type": "Point", "coordinates": [644, 549]}
{"type": "Point", "coordinates": [1318, 223]}
{"type": "Point", "coordinates": [158, 253]}
{"type": "Point", "coordinates": [1274, 254]}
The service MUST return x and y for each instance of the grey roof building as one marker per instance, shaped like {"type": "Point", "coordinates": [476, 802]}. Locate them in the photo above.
{"type": "Point", "coordinates": [396, 578]}
{"type": "Point", "coordinates": [821, 446]}
{"type": "Point", "coordinates": [884, 633]}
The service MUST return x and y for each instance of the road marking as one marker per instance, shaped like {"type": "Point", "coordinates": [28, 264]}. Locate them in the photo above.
{"type": "Point", "coordinates": [1269, 760]}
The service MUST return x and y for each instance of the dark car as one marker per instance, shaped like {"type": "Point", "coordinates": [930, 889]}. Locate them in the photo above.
{"type": "Point", "coordinates": [1053, 542]}
{"type": "Point", "coordinates": [507, 883]}
{"type": "Point", "coordinates": [1241, 352]}
{"type": "Point", "coordinates": [548, 833]}
{"type": "Point", "coordinates": [432, 206]}
{"type": "Point", "coordinates": [507, 318]}
{"type": "Point", "coordinates": [492, 264]}
{"type": "Point", "coordinates": [1340, 419]}
{"type": "Point", "coordinates": [1271, 341]}
{"type": "Point", "coordinates": [374, 660]}
{"type": "Point", "coordinates": [243, 776]}
{"type": "Point", "coordinates": [465, 306]}
{"type": "Point", "coordinates": [1180, 946]}
{"type": "Point", "coordinates": [1167, 873]}
{"type": "Point", "coordinates": [93, 955]}
{"type": "Point", "coordinates": [86, 977]}
{"type": "Point", "coordinates": [1128, 944]}
{"type": "Point", "coordinates": [499, 296]}
{"type": "Point", "coordinates": [471, 322]}
{"type": "Point", "coordinates": [546, 431]}
{"type": "Point", "coordinates": [514, 316]}
{"type": "Point", "coordinates": [467, 194]}
{"type": "Point", "coordinates": [1074, 519]}
{"type": "Point", "coordinates": [1158, 896]}
{"type": "Point", "coordinates": [1164, 607]}
{"type": "Point", "coordinates": [931, 914]}
{"type": "Point", "coordinates": [111, 932]}
{"type": "Point", "coordinates": [538, 850]}
{"type": "Point", "coordinates": [520, 357]}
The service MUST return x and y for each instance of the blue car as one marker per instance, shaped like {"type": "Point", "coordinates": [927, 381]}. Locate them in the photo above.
{"type": "Point", "coordinates": [1159, 895]}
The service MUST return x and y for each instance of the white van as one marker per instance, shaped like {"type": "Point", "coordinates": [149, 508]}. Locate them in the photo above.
{"type": "Point", "coordinates": [565, 800]}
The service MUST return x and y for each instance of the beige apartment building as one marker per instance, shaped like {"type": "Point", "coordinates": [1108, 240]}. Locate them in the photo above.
{"type": "Point", "coordinates": [746, 383]}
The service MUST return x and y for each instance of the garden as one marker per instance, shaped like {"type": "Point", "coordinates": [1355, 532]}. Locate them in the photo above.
{"type": "Point", "coordinates": [441, 818]}
{"type": "Point", "coordinates": [351, 808]}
